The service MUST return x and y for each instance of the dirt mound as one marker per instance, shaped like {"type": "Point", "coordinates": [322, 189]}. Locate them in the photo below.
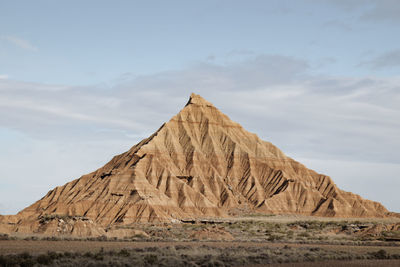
{"type": "Point", "coordinates": [373, 231]}
{"type": "Point", "coordinates": [56, 225]}
{"type": "Point", "coordinates": [214, 233]}
{"type": "Point", "coordinates": [198, 164]}
{"type": "Point", "coordinates": [122, 233]}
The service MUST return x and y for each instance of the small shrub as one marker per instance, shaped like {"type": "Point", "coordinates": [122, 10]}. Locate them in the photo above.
{"type": "Point", "coordinates": [380, 254]}
{"type": "Point", "coordinates": [3, 260]}
{"type": "Point", "coordinates": [304, 234]}
{"type": "Point", "coordinates": [274, 237]}
{"type": "Point", "coordinates": [151, 259]}
{"type": "Point", "coordinates": [54, 255]}
{"type": "Point", "coordinates": [98, 257]}
{"type": "Point", "coordinates": [88, 254]}
{"type": "Point", "coordinates": [151, 249]}
{"type": "Point", "coordinates": [25, 255]}
{"type": "Point", "coordinates": [124, 253]}
{"type": "Point", "coordinates": [44, 259]}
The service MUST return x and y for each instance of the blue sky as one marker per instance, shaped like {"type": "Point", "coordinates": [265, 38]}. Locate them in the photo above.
{"type": "Point", "coordinates": [86, 42]}
{"type": "Point", "coordinates": [81, 81]}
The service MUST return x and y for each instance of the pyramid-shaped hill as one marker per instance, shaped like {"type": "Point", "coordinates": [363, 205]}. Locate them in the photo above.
{"type": "Point", "coordinates": [199, 164]}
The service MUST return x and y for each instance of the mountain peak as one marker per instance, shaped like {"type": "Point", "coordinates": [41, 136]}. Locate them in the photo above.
{"type": "Point", "coordinates": [199, 165]}
{"type": "Point", "coordinates": [198, 100]}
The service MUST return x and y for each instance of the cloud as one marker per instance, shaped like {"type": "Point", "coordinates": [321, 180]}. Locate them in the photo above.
{"type": "Point", "coordinates": [251, 73]}
{"type": "Point", "coordinates": [350, 5]}
{"type": "Point", "coordinates": [3, 76]}
{"type": "Point", "coordinates": [387, 10]}
{"type": "Point", "coordinates": [275, 96]}
{"type": "Point", "coordinates": [370, 10]}
{"type": "Point", "coordinates": [41, 110]}
{"type": "Point", "coordinates": [308, 116]}
{"type": "Point", "coordinates": [339, 25]}
{"type": "Point", "coordinates": [19, 42]}
{"type": "Point", "coordinates": [386, 60]}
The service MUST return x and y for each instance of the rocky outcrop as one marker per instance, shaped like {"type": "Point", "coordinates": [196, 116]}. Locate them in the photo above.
{"type": "Point", "coordinates": [198, 164]}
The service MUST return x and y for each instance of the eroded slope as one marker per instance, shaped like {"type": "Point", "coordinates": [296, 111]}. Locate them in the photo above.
{"type": "Point", "coordinates": [199, 164]}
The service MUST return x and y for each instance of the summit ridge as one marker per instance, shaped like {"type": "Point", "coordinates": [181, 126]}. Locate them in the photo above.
{"type": "Point", "coordinates": [198, 100]}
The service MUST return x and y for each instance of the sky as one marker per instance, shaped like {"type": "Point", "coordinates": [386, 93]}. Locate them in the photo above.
{"type": "Point", "coordinates": [82, 81]}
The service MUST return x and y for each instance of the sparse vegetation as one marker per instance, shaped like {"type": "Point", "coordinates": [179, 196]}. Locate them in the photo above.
{"type": "Point", "coordinates": [189, 256]}
{"type": "Point", "coordinates": [260, 230]}
{"type": "Point", "coordinates": [301, 243]}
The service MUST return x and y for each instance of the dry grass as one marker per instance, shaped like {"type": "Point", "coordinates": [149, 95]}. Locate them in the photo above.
{"type": "Point", "coordinates": [97, 253]}
{"type": "Point", "coordinates": [259, 240]}
{"type": "Point", "coordinates": [184, 255]}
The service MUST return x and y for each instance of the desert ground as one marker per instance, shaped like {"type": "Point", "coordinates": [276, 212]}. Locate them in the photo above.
{"type": "Point", "coordinates": [251, 240]}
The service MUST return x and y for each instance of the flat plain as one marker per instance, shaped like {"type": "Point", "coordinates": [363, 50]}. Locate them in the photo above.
{"type": "Point", "coordinates": [251, 240]}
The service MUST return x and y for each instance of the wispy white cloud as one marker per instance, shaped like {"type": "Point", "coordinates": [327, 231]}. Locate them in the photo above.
{"type": "Point", "coordinates": [19, 42]}
{"type": "Point", "coordinates": [272, 95]}
{"type": "Point", "coordinates": [3, 76]}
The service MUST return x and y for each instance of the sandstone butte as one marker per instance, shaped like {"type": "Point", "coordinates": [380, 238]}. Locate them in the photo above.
{"type": "Point", "coordinates": [200, 164]}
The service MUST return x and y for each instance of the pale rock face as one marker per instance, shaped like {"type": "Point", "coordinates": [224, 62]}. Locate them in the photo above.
{"type": "Point", "coordinates": [198, 164]}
